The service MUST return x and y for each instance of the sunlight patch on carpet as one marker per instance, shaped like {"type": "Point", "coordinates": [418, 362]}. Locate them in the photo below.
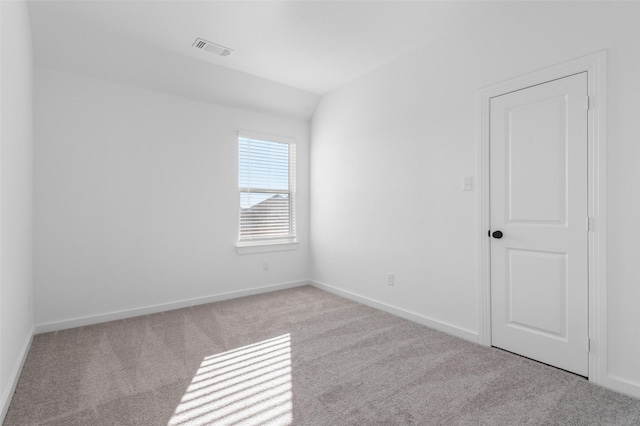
{"type": "Point", "coordinates": [250, 385]}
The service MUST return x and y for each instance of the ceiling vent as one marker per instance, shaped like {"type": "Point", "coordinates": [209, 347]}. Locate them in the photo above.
{"type": "Point", "coordinates": [212, 47]}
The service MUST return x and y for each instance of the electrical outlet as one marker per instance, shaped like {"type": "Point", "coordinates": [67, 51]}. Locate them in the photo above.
{"type": "Point", "coordinates": [391, 278]}
{"type": "Point", "coordinates": [265, 265]}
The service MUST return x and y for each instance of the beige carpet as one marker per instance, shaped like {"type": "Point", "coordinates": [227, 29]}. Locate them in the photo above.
{"type": "Point", "coordinates": [300, 356]}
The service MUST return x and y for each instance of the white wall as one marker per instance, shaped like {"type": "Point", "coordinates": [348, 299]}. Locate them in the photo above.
{"type": "Point", "coordinates": [389, 152]}
{"type": "Point", "coordinates": [136, 199]}
{"type": "Point", "coordinates": [16, 158]}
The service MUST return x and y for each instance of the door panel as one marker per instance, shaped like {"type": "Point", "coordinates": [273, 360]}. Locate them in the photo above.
{"type": "Point", "coordinates": [537, 283]}
{"type": "Point", "coordinates": [536, 139]}
{"type": "Point", "coordinates": [539, 270]}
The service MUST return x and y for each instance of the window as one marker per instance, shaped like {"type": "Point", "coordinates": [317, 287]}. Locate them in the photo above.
{"type": "Point", "coordinates": [266, 185]}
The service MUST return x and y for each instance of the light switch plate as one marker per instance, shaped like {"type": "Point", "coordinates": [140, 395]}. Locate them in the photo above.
{"type": "Point", "coordinates": [467, 183]}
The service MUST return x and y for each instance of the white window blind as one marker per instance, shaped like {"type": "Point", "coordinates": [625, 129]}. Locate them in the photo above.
{"type": "Point", "coordinates": [266, 183]}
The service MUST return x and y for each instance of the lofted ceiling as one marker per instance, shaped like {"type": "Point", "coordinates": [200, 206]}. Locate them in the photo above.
{"type": "Point", "coordinates": [295, 51]}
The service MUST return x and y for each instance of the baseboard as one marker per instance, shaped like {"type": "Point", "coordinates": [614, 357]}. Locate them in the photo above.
{"type": "Point", "coordinates": [14, 376]}
{"type": "Point", "coordinates": [402, 313]}
{"type": "Point", "coordinates": [152, 309]}
{"type": "Point", "coordinates": [624, 386]}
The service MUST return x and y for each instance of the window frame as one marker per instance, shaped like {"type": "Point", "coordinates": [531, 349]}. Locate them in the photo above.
{"type": "Point", "coordinates": [257, 245]}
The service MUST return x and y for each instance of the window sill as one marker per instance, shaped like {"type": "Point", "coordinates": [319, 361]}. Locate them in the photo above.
{"type": "Point", "coordinates": [263, 247]}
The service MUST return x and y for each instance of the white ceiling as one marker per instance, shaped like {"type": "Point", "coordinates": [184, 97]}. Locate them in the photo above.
{"type": "Point", "coordinates": [312, 47]}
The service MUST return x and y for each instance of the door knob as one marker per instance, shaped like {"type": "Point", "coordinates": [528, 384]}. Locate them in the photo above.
{"type": "Point", "coordinates": [497, 234]}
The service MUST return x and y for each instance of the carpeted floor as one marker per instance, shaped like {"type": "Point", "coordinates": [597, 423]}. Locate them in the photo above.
{"type": "Point", "coordinates": [300, 356]}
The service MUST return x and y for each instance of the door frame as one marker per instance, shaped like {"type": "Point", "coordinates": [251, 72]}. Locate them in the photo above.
{"type": "Point", "coordinates": [595, 66]}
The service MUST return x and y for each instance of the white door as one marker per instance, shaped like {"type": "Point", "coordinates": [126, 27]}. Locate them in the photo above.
{"type": "Point", "coordinates": [539, 270]}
